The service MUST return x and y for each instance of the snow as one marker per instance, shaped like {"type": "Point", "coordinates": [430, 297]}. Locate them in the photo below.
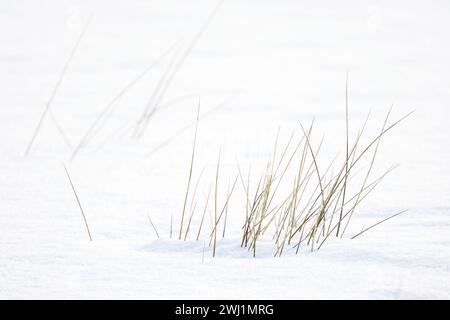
{"type": "Point", "coordinates": [281, 62]}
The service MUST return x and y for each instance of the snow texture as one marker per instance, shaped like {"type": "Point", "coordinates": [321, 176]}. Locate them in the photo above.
{"type": "Point", "coordinates": [277, 63]}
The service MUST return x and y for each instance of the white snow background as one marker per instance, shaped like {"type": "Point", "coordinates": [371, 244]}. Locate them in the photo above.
{"type": "Point", "coordinates": [282, 62]}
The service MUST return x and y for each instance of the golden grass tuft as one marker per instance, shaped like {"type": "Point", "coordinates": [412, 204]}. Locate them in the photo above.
{"type": "Point", "coordinates": [297, 201]}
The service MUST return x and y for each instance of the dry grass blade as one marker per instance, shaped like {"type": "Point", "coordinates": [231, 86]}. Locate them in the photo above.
{"type": "Point", "coordinates": [226, 214]}
{"type": "Point", "coordinates": [369, 170]}
{"type": "Point", "coordinates": [374, 141]}
{"type": "Point", "coordinates": [60, 130]}
{"type": "Point", "coordinates": [193, 203]}
{"type": "Point", "coordinates": [56, 87]}
{"type": "Point", "coordinates": [203, 215]}
{"type": "Point", "coordinates": [127, 127]}
{"type": "Point", "coordinates": [186, 127]}
{"type": "Point", "coordinates": [190, 174]}
{"type": "Point", "coordinates": [218, 218]}
{"type": "Point", "coordinates": [110, 106]}
{"type": "Point", "coordinates": [344, 190]}
{"type": "Point", "coordinates": [148, 112]}
{"type": "Point", "coordinates": [368, 189]}
{"type": "Point", "coordinates": [153, 226]}
{"type": "Point", "coordinates": [190, 220]}
{"type": "Point", "coordinates": [376, 224]}
{"type": "Point", "coordinates": [152, 107]}
{"type": "Point", "coordinates": [214, 231]}
{"type": "Point", "coordinates": [79, 204]}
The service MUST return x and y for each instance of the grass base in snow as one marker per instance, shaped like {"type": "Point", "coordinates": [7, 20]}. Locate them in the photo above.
{"type": "Point", "coordinates": [297, 201]}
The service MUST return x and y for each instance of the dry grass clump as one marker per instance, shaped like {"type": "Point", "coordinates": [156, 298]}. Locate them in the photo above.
{"type": "Point", "coordinates": [297, 201]}
{"type": "Point", "coordinates": [319, 204]}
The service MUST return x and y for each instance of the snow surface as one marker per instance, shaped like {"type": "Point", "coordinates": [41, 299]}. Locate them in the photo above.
{"type": "Point", "coordinates": [282, 62]}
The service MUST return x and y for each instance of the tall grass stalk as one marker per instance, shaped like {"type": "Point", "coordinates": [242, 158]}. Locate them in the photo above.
{"type": "Point", "coordinates": [190, 175]}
